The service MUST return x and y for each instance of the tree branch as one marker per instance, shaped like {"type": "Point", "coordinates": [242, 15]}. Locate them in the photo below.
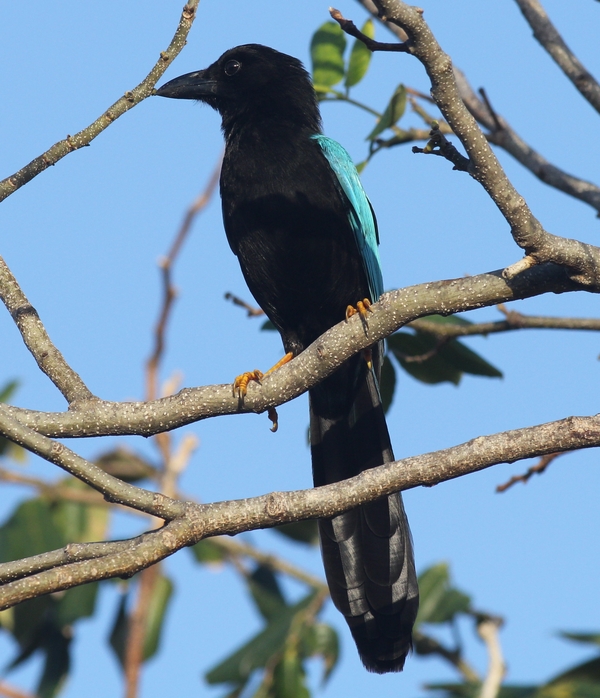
{"type": "Point", "coordinates": [394, 309]}
{"type": "Point", "coordinates": [229, 518]}
{"type": "Point", "coordinates": [527, 231]}
{"type": "Point", "coordinates": [122, 105]}
{"type": "Point", "coordinates": [113, 489]}
{"type": "Point", "coordinates": [500, 133]}
{"type": "Point", "coordinates": [488, 632]}
{"type": "Point", "coordinates": [548, 36]}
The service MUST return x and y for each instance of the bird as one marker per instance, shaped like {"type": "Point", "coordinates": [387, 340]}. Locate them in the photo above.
{"type": "Point", "coordinates": [305, 234]}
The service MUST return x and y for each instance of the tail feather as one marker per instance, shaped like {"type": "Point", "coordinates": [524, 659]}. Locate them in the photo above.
{"type": "Point", "coordinates": [367, 552]}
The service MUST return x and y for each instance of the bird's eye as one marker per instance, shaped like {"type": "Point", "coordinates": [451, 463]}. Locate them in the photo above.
{"type": "Point", "coordinates": [232, 67]}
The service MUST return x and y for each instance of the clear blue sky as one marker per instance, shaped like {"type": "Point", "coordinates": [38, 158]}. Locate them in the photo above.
{"type": "Point", "coordinates": [84, 238]}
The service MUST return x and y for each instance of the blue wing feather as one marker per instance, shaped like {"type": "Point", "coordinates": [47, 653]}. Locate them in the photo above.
{"type": "Point", "coordinates": [361, 216]}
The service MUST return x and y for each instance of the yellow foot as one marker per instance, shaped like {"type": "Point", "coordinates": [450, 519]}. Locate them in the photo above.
{"type": "Point", "coordinates": [362, 308]}
{"type": "Point", "coordinates": [368, 357]}
{"type": "Point", "coordinates": [240, 384]}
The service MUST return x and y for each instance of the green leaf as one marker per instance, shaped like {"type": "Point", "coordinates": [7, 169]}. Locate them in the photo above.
{"type": "Point", "coordinates": [157, 609]}
{"type": "Point", "coordinates": [327, 54]}
{"type": "Point", "coordinates": [268, 325]}
{"type": "Point", "coordinates": [472, 690]}
{"type": "Point", "coordinates": [300, 531]}
{"type": "Point", "coordinates": [387, 383]}
{"type": "Point", "coordinates": [394, 110]}
{"type": "Point", "coordinates": [8, 390]}
{"type": "Point", "coordinates": [360, 57]}
{"type": "Point", "coordinates": [255, 653]}
{"type": "Point", "coordinates": [266, 592]}
{"type": "Point", "coordinates": [289, 677]}
{"type": "Point", "coordinates": [118, 635]}
{"type": "Point", "coordinates": [439, 602]}
{"type": "Point", "coordinates": [30, 530]}
{"type": "Point", "coordinates": [448, 361]}
{"type": "Point", "coordinates": [78, 602]}
{"type": "Point", "coordinates": [126, 465]}
{"type": "Point", "coordinates": [588, 672]}
{"type": "Point", "coordinates": [320, 639]}
{"type": "Point", "coordinates": [207, 551]}
{"type": "Point", "coordinates": [588, 638]}
{"type": "Point", "coordinates": [56, 665]}
{"type": "Point", "coordinates": [434, 369]}
{"type": "Point", "coordinates": [466, 360]}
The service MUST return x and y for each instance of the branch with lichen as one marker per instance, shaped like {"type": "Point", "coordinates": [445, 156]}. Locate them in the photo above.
{"type": "Point", "coordinates": [129, 100]}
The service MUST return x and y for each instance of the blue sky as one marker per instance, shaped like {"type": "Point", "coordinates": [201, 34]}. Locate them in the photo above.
{"type": "Point", "coordinates": [84, 238]}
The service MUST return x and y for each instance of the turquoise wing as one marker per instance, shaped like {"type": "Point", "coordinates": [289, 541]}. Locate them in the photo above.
{"type": "Point", "coordinates": [361, 215]}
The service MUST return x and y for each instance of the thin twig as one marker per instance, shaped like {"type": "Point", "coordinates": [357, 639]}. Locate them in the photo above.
{"type": "Point", "coordinates": [250, 309]}
{"type": "Point", "coordinates": [351, 29]}
{"type": "Point", "coordinates": [122, 105]}
{"type": "Point", "coordinates": [488, 632]}
{"type": "Point", "coordinates": [536, 469]}
{"type": "Point", "coordinates": [548, 36]}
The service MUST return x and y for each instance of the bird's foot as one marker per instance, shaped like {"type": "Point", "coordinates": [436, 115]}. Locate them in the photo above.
{"type": "Point", "coordinates": [362, 308]}
{"type": "Point", "coordinates": [240, 384]}
{"type": "Point", "coordinates": [368, 357]}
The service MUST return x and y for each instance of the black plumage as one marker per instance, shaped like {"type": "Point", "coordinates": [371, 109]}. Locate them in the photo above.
{"type": "Point", "coordinates": [292, 223]}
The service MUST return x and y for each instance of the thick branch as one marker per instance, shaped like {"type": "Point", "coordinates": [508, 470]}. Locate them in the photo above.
{"type": "Point", "coordinates": [113, 489]}
{"type": "Point", "coordinates": [545, 32]}
{"type": "Point", "coordinates": [98, 418]}
{"type": "Point", "coordinates": [501, 133]}
{"type": "Point", "coordinates": [229, 518]}
{"type": "Point", "coordinates": [514, 321]}
{"type": "Point", "coordinates": [125, 103]}
{"type": "Point", "coordinates": [527, 231]}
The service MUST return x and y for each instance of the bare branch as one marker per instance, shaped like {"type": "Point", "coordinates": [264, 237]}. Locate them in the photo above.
{"type": "Point", "coordinates": [393, 310]}
{"type": "Point", "coordinates": [526, 230]}
{"type": "Point", "coordinates": [228, 518]}
{"type": "Point", "coordinates": [113, 489]}
{"type": "Point", "coordinates": [548, 36]}
{"type": "Point", "coordinates": [500, 133]}
{"type": "Point", "coordinates": [122, 105]}
{"type": "Point", "coordinates": [514, 321]}
{"type": "Point", "coordinates": [536, 469]}
{"type": "Point", "coordinates": [488, 632]}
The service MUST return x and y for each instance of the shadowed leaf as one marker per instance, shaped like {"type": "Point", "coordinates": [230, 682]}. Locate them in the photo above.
{"type": "Point", "coordinates": [360, 57]}
{"type": "Point", "coordinates": [327, 54]}
{"type": "Point", "coordinates": [394, 110]}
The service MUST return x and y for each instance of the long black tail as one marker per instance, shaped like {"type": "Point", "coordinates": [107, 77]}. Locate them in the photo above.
{"type": "Point", "coordinates": [367, 552]}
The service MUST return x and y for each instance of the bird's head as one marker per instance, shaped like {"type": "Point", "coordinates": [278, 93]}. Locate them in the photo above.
{"type": "Point", "coordinates": [251, 82]}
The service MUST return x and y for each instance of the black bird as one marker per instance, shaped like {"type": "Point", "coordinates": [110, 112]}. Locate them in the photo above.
{"type": "Point", "coordinates": [305, 235]}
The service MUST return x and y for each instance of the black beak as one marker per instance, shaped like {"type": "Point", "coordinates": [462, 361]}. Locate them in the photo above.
{"type": "Point", "coordinates": [189, 86]}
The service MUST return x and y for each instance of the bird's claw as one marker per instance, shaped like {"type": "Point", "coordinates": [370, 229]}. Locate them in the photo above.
{"type": "Point", "coordinates": [274, 417]}
{"type": "Point", "coordinates": [362, 308]}
{"type": "Point", "coordinates": [240, 384]}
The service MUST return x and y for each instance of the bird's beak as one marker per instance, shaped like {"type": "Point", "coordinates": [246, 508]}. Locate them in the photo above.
{"type": "Point", "coordinates": [189, 86]}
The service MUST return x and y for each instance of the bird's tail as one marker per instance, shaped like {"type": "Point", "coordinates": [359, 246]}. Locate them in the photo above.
{"type": "Point", "coordinates": [367, 552]}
